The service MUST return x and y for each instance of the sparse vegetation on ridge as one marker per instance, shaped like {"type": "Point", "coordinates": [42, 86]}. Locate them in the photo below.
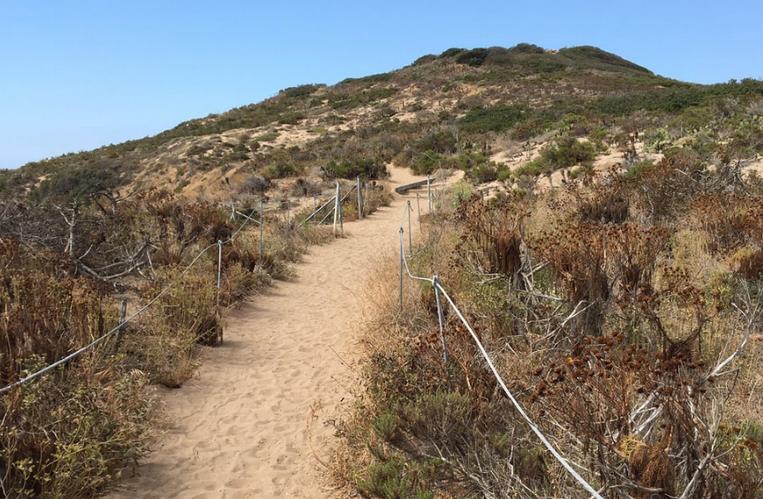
{"type": "Point", "coordinates": [484, 98]}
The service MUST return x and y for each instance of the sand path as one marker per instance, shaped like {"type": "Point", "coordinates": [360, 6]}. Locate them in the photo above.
{"type": "Point", "coordinates": [257, 417]}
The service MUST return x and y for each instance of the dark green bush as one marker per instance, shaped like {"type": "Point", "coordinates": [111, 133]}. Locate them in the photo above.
{"type": "Point", "coordinates": [493, 119]}
{"type": "Point", "coordinates": [452, 52]}
{"type": "Point", "coordinates": [426, 162]}
{"type": "Point", "coordinates": [566, 152]}
{"type": "Point", "coordinates": [301, 91]}
{"type": "Point", "coordinates": [366, 168]}
{"type": "Point", "coordinates": [441, 141]}
{"type": "Point", "coordinates": [475, 57]}
{"type": "Point", "coordinates": [80, 181]}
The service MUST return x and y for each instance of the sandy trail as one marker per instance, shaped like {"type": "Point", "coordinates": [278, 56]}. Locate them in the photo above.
{"type": "Point", "coordinates": [256, 418]}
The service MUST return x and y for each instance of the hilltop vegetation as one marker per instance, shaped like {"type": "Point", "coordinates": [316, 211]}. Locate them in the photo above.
{"type": "Point", "coordinates": [461, 102]}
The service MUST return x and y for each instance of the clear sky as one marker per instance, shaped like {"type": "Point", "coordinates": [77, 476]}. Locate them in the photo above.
{"type": "Point", "coordinates": [78, 74]}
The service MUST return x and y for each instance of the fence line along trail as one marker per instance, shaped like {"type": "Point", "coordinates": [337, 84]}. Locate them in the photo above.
{"type": "Point", "coordinates": [255, 421]}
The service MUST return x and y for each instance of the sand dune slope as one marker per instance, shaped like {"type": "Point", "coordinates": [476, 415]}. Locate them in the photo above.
{"type": "Point", "coordinates": [256, 419]}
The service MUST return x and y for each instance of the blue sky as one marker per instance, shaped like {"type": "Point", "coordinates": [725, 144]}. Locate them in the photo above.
{"type": "Point", "coordinates": [78, 74]}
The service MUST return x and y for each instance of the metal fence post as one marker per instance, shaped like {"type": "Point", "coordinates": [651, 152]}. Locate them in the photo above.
{"type": "Point", "coordinates": [429, 192]}
{"type": "Point", "coordinates": [436, 284]}
{"type": "Point", "coordinates": [401, 268]}
{"type": "Point", "coordinates": [418, 209]}
{"type": "Point", "coordinates": [262, 228]}
{"type": "Point", "coordinates": [410, 233]}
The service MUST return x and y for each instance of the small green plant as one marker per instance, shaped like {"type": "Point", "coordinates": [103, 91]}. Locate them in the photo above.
{"type": "Point", "coordinates": [493, 119]}
{"type": "Point", "coordinates": [366, 168]}
{"type": "Point", "coordinates": [281, 170]}
{"type": "Point", "coordinates": [392, 480]}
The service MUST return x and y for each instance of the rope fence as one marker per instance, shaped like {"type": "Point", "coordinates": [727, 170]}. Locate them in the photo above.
{"type": "Point", "coordinates": [116, 329]}
{"type": "Point", "coordinates": [440, 290]}
{"type": "Point", "coordinates": [336, 210]}
{"type": "Point", "coordinates": [437, 287]}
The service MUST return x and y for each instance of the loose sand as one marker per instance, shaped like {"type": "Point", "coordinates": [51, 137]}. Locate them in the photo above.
{"type": "Point", "coordinates": [256, 420]}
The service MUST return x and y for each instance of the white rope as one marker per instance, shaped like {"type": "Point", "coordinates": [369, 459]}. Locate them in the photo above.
{"type": "Point", "coordinates": [516, 403]}
{"type": "Point", "coordinates": [437, 286]}
{"type": "Point", "coordinates": [408, 271]}
{"type": "Point", "coordinates": [119, 326]}
{"type": "Point", "coordinates": [405, 260]}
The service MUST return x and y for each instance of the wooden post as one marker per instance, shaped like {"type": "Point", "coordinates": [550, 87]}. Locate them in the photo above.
{"type": "Point", "coordinates": [219, 262]}
{"type": "Point", "coordinates": [410, 233]}
{"type": "Point", "coordinates": [262, 228]}
{"type": "Point", "coordinates": [219, 273]}
{"type": "Point", "coordinates": [121, 324]}
{"type": "Point", "coordinates": [341, 216]}
{"type": "Point", "coordinates": [337, 202]}
{"type": "Point", "coordinates": [232, 210]}
{"type": "Point", "coordinates": [401, 268]}
{"type": "Point", "coordinates": [360, 198]}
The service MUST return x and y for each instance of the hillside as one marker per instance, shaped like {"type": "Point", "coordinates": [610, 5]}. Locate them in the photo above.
{"type": "Point", "coordinates": [583, 317]}
{"type": "Point", "coordinates": [483, 110]}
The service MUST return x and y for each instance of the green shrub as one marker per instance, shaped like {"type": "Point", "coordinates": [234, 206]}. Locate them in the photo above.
{"type": "Point", "coordinates": [638, 169]}
{"type": "Point", "coordinates": [301, 91]}
{"type": "Point", "coordinates": [566, 152]}
{"type": "Point", "coordinates": [426, 162]}
{"type": "Point", "coordinates": [291, 118]}
{"type": "Point", "coordinates": [475, 57]}
{"type": "Point", "coordinates": [441, 141]}
{"type": "Point", "coordinates": [484, 172]}
{"type": "Point", "coordinates": [80, 180]}
{"type": "Point", "coordinates": [532, 168]}
{"type": "Point", "coordinates": [493, 119]}
{"type": "Point", "coordinates": [267, 137]}
{"type": "Point", "coordinates": [366, 168]}
{"type": "Point", "coordinates": [281, 170]}
{"type": "Point", "coordinates": [391, 480]}
{"type": "Point", "coordinates": [451, 52]}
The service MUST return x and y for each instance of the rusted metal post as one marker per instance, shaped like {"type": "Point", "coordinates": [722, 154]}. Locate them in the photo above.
{"type": "Point", "coordinates": [401, 268]}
